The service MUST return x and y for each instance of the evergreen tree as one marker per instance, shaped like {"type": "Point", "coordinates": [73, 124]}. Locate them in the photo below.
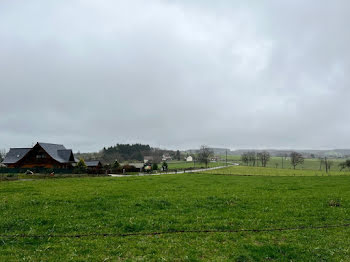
{"type": "Point", "coordinates": [178, 155]}
{"type": "Point", "coordinates": [165, 166]}
{"type": "Point", "coordinates": [81, 166]}
{"type": "Point", "coordinates": [155, 166]}
{"type": "Point", "coordinates": [116, 164]}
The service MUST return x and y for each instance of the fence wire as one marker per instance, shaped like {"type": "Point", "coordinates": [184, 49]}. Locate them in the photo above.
{"type": "Point", "coordinates": [174, 232]}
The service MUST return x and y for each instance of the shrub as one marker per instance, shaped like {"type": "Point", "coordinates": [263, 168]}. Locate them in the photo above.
{"type": "Point", "coordinates": [165, 166]}
{"type": "Point", "coordinates": [116, 164]}
{"type": "Point", "coordinates": [81, 167]}
{"type": "Point", "coordinates": [154, 166]}
{"type": "Point", "coordinates": [129, 168]}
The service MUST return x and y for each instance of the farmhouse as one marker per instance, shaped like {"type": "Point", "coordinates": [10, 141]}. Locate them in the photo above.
{"type": "Point", "coordinates": [42, 155]}
{"type": "Point", "coordinates": [94, 165]}
{"type": "Point", "coordinates": [138, 166]}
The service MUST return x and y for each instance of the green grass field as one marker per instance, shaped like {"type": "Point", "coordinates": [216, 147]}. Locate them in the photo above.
{"type": "Point", "coordinates": [182, 164]}
{"type": "Point", "coordinates": [268, 171]}
{"type": "Point", "coordinates": [309, 163]}
{"type": "Point", "coordinates": [171, 203]}
{"type": "Point", "coordinates": [275, 162]}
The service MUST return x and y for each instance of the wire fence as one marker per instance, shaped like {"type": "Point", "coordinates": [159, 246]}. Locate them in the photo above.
{"type": "Point", "coordinates": [39, 170]}
{"type": "Point", "coordinates": [299, 228]}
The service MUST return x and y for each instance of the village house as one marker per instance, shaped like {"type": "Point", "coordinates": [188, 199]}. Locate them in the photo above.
{"type": "Point", "coordinates": [42, 155]}
{"type": "Point", "coordinates": [148, 159]}
{"type": "Point", "coordinates": [94, 165]}
{"type": "Point", "coordinates": [166, 157]}
{"type": "Point", "coordinates": [189, 159]}
{"type": "Point", "coordinates": [139, 166]}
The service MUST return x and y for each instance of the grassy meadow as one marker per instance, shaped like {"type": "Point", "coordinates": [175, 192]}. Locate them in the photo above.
{"type": "Point", "coordinates": [172, 165]}
{"type": "Point", "coordinates": [278, 162]}
{"type": "Point", "coordinates": [170, 203]}
{"type": "Point", "coordinates": [268, 171]}
{"type": "Point", "coordinates": [275, 162]}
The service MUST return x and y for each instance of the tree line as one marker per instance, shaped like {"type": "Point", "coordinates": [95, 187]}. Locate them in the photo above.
{"type": "Point", "coordinates": [129, 153]}
{"type": "Point", "coordinates": [262, 158]}
{"type": "Point", "coordinates": [125, 152]}
{"type": "Point", "coordinates": [2, 154]}
{"type": "Point", "coordinates": [254, 159]}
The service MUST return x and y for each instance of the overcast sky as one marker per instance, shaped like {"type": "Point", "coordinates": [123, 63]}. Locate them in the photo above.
{"type": "Point", "coordinates": [175, 73]}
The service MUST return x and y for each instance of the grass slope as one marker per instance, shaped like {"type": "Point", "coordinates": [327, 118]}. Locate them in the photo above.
{"type": "Point", "coordinates": [182, 164]}
{"type": "Point", "coordinates": [261, 171]}
{"type": "Point", "coordinates": [309, 163]}
{"type": "Point", "coordinates": [176, 202]}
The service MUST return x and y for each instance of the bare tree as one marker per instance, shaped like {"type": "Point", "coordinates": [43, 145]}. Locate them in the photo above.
{"type": "Point", "coordinates": [283, 158]}
{"type": "Point", "coordinates": [321, 162]}
{"type": "Point", "coordinates": [344, 165]}
{"type": "Point", "coordinates": [245, 158]}
{"type": "Point", "coordinates": [2, 154]}
{"type": "Point", "coordinates": [157, 155]}
{"type": "Point", "coordinates": [251, 158]}
{"type": "Point", "coordinates": [328, 164]}
{"type": "Point", "coordinates": [204, 155]}
{"type": "Point", "coordinates": [264, 158]}
{"type": "Point", "coordinates": [296, 159]}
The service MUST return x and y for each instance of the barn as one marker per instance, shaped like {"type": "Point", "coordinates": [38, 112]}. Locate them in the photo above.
{"type": "Point", "coordinates": [42, 155]}
{"type": "Point", "coordinates": [94, 165]}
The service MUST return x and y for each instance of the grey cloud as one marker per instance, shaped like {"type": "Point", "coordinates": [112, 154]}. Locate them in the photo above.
{"type": "Point", "coordinates": [175, 74]}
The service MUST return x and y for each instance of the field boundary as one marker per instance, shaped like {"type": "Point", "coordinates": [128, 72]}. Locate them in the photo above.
{"type": "Point", "coordinates": [172, 172]}
{"type": "Point", "coordinates": [223, 174]}
{"type": "Point", "coordinates": [176, 232]}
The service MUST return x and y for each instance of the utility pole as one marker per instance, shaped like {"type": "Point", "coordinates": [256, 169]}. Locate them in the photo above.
{"type": "Point", "coordinates": [226, 157]}
{"type": "Point", "coordinates": [282, 161]}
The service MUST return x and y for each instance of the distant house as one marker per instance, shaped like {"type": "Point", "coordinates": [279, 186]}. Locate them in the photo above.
{"type": "Point", "coordinates": [137, 165]}
{"type": "Point", "coordinates": [148, 159]}
{"type": "Point", "coordinates": [94, 164]}
{"type": "Point", "coordinates": [166, 157]}
{"type": "Point", "coordinates": [42, 155]}
{"type": "Point", "coordinates": [189, 159]}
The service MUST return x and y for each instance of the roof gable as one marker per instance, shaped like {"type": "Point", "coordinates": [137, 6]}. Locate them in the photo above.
{"type": "Point", "coordinates": [58, 152]}
{"type": "Point", "coordinates": [66, 155]}
{"type": "Point", "coordinates": [15, 154]}
{"type": "Point", "coordinates": [93, 163]}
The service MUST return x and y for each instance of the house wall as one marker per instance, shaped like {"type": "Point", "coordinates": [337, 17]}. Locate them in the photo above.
{"type": "Point", "coordinates": [189, 159]}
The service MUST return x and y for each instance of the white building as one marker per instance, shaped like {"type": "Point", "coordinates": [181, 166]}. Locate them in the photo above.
{"type": "Point", "coordinates": [189, 159]}
{"type": "Point", "coordinates": [166, 157]}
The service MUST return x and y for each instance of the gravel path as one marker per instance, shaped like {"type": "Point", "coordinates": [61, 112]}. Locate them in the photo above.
{"type": "Point", "coordinates": [171, 173]}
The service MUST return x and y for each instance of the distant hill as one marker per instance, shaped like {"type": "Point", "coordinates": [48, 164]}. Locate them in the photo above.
{"type": "Point", "coordinates": [217, 151]}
